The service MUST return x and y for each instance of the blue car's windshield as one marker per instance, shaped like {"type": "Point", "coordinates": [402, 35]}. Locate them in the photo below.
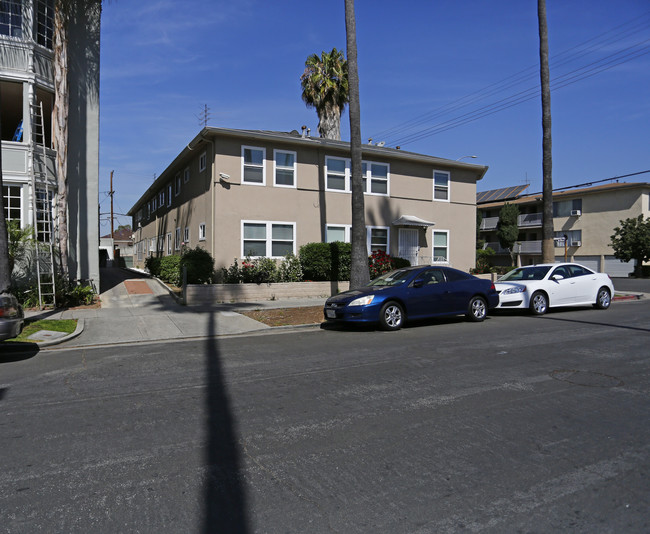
{"type": "Point", "coordinates": [525, 273]}
{"type": "Point", "coordinates": [393, 278]}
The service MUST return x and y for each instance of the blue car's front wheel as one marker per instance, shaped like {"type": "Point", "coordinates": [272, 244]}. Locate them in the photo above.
{"type": "Point", "coordinates": [391, 316]}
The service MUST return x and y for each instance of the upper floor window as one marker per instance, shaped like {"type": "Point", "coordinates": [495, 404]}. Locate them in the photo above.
{"type": "Point", "coordinates": [153, 204]}
{"type": "Point", "coordinates": [338, 176]}
{"type": "Point", "coordinates": [177, 186]}
{"type": "Point", "coordinates": [11, 18]}
{"type": "Point", "coordinates": [202, 232]}
{"type": "Point", "coordinates": [169, 195]}
{"type": "Point", "coordinates": [440, 185]}
{"type": "Point", "coordinates": [337, 172]}
{"type": "Point", "coordinates": [253, 165]}
{"type": "Point", "coordinates": [161, 198]}
{"type": "Point", "coordinates": [186, 175]}
{"type": "Point", "coordinates": [376, 174]}
{"type": "Point", "coordinates": [44, 22]}
{"type": "Point", "coordinates": [203, 162]}
{"type": "Point", "coordinates": [285, 168]}
{"type": "Point", "coordinates": [566, 208]}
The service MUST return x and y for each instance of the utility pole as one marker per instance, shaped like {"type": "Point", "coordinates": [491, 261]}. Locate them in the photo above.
{"type": "Point", "coordinates": [111, 193]}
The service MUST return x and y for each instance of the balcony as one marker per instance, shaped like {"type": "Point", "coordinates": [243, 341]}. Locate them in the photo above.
{"type": "Point", "coordinates": [527, 220]}
{"type": "Point", "coordinates": [521, 247]}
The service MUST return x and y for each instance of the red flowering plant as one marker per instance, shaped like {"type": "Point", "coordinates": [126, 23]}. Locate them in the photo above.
{"type": "Point", "coordinates": [379, 263]}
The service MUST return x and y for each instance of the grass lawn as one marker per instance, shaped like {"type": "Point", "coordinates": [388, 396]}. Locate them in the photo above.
{"type": "Point", "coordinates": [57, 325]}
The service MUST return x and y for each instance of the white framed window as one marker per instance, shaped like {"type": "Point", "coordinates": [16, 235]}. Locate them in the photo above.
{"type": "Point", "coordinates": [161, 198]}
{"type": "Point", "coordinates": [177, 244]}
{"type": "Point", "coordinates": [252, 160]}
{"type": "Point", "coordinates": [337, 232]}
{"type": "Point", "coordinates": [186, 236]}
{"type": "Point", "coordinates": [441, 181]}
{"type": "Point", "coordinates": [203, 161]}
{"type": "Point", "coordinates": [169, 243]}
{"type": "Point", "coordinates": [337, 174]}
{"type": "Point", "coordinates": [375, 178]}
{"type": "Point", "coordinates": [440, 246]}
{"type": "Point", "coordinates": [12, 195]}
{"type": "Point", "coordinates": [161, 243]}
{"type": "Point", "coordinates": [169, 195]}
{"type": "Point", "coordinates": [202, 232]}
{"type": "Point", "coordinates": [11, 18]}
{"type": "Point", "coordinates": [177, 184]}
{"type": "Point", "coordinates": [152, 244]}
{"type": "Point", "coordinates": [44, 23]}
{"type": "Point", "coordinates": [269, 239]}
{"type": "Point", "coordinates": [378, 238]}
{"type": "Point", "coordinates": [284, 168]}
{"type": "Point", "coordinates": [186, 175]}
{"type": "Point", "coordinates": [153, 204]}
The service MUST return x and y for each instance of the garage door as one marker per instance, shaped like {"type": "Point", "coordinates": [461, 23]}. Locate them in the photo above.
{"type": "Point", "coordinates": [590, 262]}
{"type": "Point", "coordinates": [617, 268]}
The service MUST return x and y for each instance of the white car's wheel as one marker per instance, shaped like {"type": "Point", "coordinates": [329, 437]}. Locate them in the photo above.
{"type": "Point", "coordinates": [538, 303]}
{"type": "Point", "coordinates": [603, 299]}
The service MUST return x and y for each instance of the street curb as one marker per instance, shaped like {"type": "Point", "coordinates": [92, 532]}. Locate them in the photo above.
{"type": "Point", "coordinates": [77, 331]}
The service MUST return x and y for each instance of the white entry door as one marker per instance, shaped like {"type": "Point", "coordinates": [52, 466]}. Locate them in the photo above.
{"type": "Point", "coordinates": [409, 244]}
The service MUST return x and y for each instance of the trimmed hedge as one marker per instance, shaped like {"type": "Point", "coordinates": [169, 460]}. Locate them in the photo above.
{"type": "Point", "coordinates": [325, 261]}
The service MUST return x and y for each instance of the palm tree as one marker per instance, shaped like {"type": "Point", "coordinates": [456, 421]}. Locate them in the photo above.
{"type": "Point", "coordinates": [548, 251]}
{"type": "Point", "coordinates": [325, 87]}
{"type": "Point", "coordinates": [5, 273]}
{"type": "Point", "coordinates": [359, 274]}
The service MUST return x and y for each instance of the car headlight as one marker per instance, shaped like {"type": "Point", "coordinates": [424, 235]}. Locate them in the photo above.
{"type": "Point", "coordinates": [362, 301]}
{"type": "Point", "coordinates": [513, 290]}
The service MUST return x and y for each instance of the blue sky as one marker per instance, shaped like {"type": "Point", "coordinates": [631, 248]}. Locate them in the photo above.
{"type": "Point", "coordinates": [424, 67]}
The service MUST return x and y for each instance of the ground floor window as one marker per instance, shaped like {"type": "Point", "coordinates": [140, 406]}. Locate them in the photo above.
{"type": "Point", "coordinates": [377, 239]}
{"type": "Point", "coordinates": [268, 239]}
{"type": "Point", "coordinates": [440, 246]}
{"type": "Point", "coordinates": [178, 239]}
{"type": "Point", "coordinates": [12, 195]}
{"type": "Point", "coordinates": [337, 232]}
{"type": "Point", "coordinates": [202, 232]}
{"type": "Point", "coordinates": [169, 243]}
{"type": "Point", "coordinates": [186, 237]}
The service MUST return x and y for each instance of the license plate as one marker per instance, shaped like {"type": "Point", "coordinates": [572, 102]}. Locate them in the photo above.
{"type": "Point", "coordinates": [330, 314]}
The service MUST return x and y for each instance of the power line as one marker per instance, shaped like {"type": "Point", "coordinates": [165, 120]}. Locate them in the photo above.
{"type": "Point", "coordinates": [592, 45]}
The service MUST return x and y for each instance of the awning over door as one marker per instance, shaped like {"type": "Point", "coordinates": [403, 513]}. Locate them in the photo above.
{"type": "Point", "coordinates": [411, 220]}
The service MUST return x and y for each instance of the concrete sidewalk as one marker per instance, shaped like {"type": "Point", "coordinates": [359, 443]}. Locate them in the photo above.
{"type": "Point", "coordinates": [132, 312]}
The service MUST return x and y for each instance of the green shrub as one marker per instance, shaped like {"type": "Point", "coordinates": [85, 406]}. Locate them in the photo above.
{"type": "Point", "coordinates": [199, 265]}
{"type": "Point", "coordinates": [170, 269]}
{"type": "Point", "coordinates": [231, 275]}
{"type": "Point", "coordinates": [316, 261]}
{"type": "Point", "coordinates": [399, 263]}
{"type": "Point", "coordinates": [259, 271]}
{"type": "Point", "coordinates": [152, 264]}
{"type": "Point", "coordinates": [341, 257]}
{"type": "Point", "coordinates": [290, 269]}
{"type": "Point", "coordinates": [68, 295]}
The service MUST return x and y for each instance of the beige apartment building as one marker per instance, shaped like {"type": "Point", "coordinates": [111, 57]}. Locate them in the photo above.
{"type": "Point", "coordinates": [243, 193]}
{"type": "Point", "coordinates": [583, 220]}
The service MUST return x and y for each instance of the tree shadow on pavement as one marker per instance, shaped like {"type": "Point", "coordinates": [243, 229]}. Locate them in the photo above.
{"type": "Point", "coordinates": [224, 492]}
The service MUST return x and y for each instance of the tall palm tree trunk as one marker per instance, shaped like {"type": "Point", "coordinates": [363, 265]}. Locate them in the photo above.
{"type": "Point", "coordinates": [5, 273]}
{"type": "Point", "coordinates": [61, 106]}
{"type": "Point", "coordinates": [359, 273]}
{"type": "Point", "coordinates": [548, 250]}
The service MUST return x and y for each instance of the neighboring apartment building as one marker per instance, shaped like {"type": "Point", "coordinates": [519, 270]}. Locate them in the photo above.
{"type": "Point", "coordinates": [28, 158]}
{"type": "Point", "coordinates": [583, 220]}
{"type": "Point", "coordinates": [240, 193]}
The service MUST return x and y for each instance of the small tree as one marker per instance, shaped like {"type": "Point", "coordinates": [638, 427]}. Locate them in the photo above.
{"type": "Point", "coordinates": [631, 241]}
{"type": "Point", "coordinates": [508, 229]}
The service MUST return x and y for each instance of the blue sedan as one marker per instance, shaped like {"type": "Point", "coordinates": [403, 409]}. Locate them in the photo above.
{"type": "Point", "coordinates": [414, 293]}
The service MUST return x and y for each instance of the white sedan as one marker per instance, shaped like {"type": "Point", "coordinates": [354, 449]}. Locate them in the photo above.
{"type": "Point", "coordinates": [539, 287]}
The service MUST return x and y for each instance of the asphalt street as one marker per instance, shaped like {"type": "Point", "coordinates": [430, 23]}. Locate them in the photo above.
{"type": "Point", "coordinates": [516, 424]}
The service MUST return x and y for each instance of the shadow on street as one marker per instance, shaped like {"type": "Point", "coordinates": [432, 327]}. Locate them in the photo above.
{"type": "Point", "coordinates": [225, 499]}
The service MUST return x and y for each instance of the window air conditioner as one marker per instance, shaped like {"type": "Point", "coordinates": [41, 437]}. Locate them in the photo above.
{"type": "Point", "coordinates": [576, 213]}
{"type": "Point", "coordinates": [576, 243]}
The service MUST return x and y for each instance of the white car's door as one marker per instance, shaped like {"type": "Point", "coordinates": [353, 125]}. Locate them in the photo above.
{"type": "Point", "coordinates": [564, 289]}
